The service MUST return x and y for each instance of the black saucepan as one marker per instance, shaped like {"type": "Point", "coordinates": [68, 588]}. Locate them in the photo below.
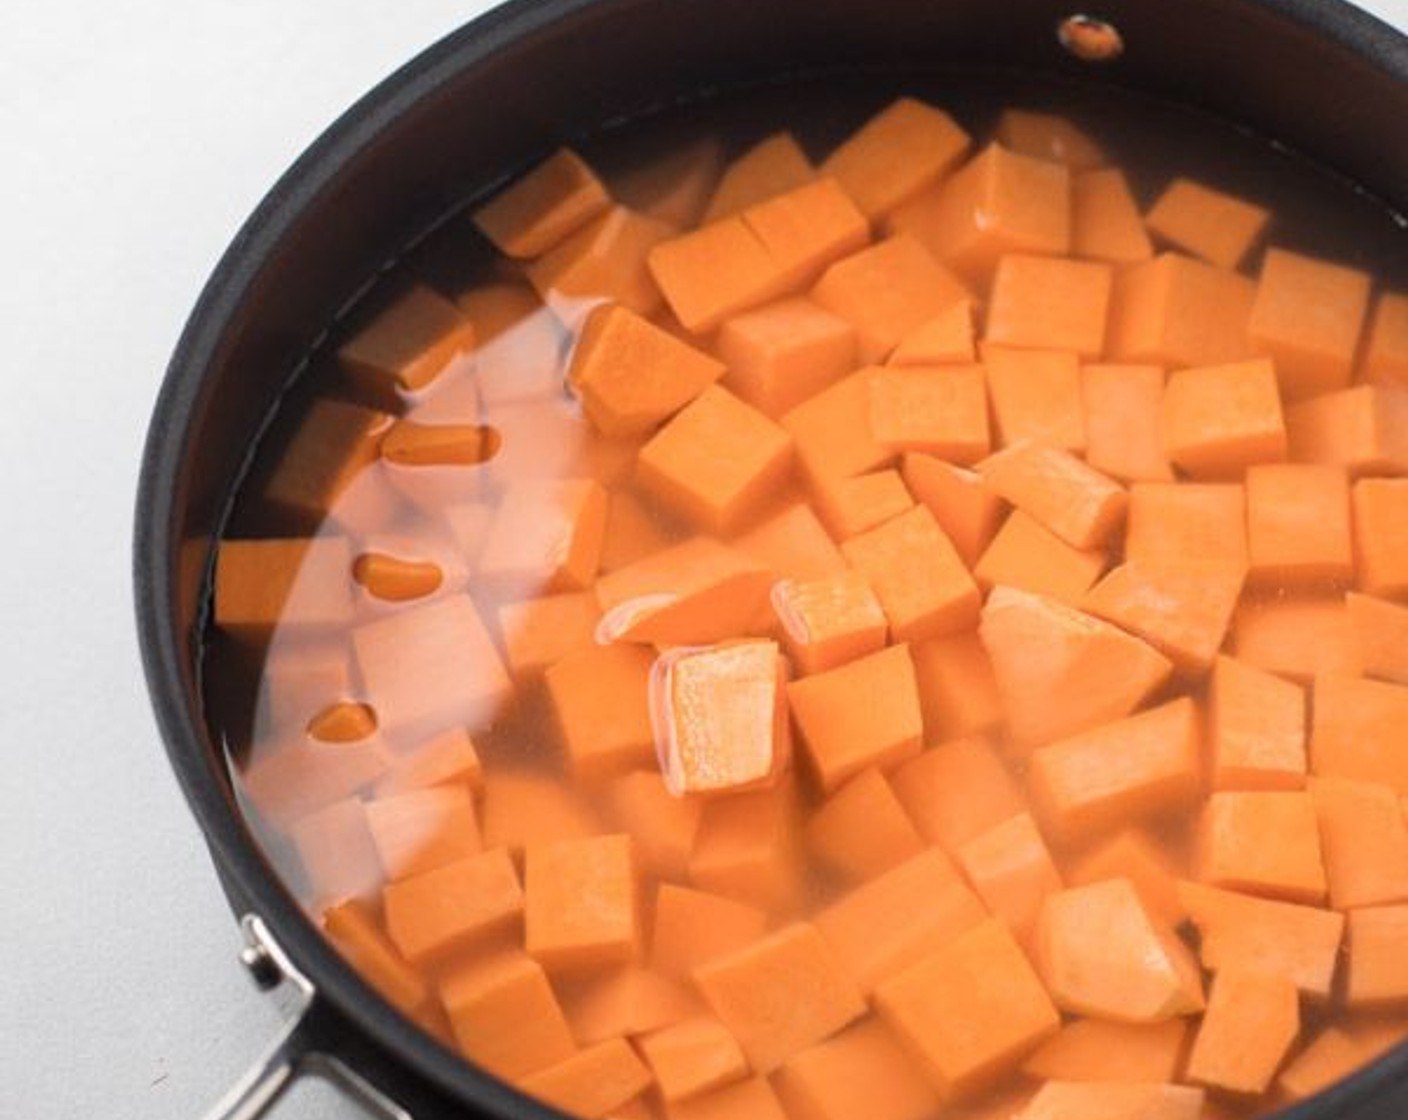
{"type": "Point", "coordinates": [1316, 75]}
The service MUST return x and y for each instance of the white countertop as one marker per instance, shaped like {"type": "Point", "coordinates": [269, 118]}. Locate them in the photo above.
{"type": "Point", "coordinates": [134, 139]}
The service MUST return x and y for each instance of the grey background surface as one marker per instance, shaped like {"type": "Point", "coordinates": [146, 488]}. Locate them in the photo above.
{"type": "Point", "coordinates": [134, 138]}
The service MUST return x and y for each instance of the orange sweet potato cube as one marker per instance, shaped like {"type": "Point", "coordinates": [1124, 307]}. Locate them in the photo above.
{"type": "Point", "coordinates": [831, 435]}
{"type": "Point", "coordinates": [1073, 500]}
{"type": "Point", "coordinates": [716, 461]}
{"type": "Point", "coordinates": [942, 411]}
{"type": "Point", "coordinates": [1122, 421]}
{"type": "Point", "coordinates": [299, 678]}
{"type": "Point", "coordinates": [861, 830]}
{"type": "Point", "coordinates": [1251, 1023]}
{"type": "Point", "coordinates": [1364, 429]}
{"type": "Point", "coordinates": [1218, 420]}
{"type": "Point", "coordinates": [1256, 729]}
{"type": "Point", "coordinates": [863, 1071]}
{"type": "Point", "coordinates": [1298, 524]}
{"type": "Point", "coordinates": [546, 536]}
{"type": "Point", "coordinates": [1049, 303]}
{"type": "Point", "coordinates": [357, 936]}
{"type": "Point", "coordinates": [849, 506]}
{"type": "Point", "coordinates": [1233, 851]}
{"type": "Point", "coordinates": [337, 852]}
{"type": "Point", "coordinates": [540, 632]}
{"type": "Point", "coordinates": [1137, 971]}
{"type": "Point", "coordinates": [792, 544]}
{"type": "Point", "coordinates": [634, 529]}
{"type": "Point", "coordinates": [593, 1082]}
{"type": "Point", "coordinates": [296, 778]}
{"type": "Point", "coordinates": [675, 185]}
{"type": "Point", "coordinates": [885, 925]}
{"type": "Point", "coordinates": [518, 345]}
{"type": "Point", "coordinates": [1025, 554]}
{"type": "Point", "coordinates": [1364, 841]}
{"type": "Point", "coordinates": [286, 582]}
{"type": "Point", "coordinates": [904, 148]}
{"type": "Point", "coordinates": [1096, 1050]}
{"type": "Point", "coordinates": [1308, 317]}
{"type": "Point", "coordinates": [956, 791]}
{"type": "Point", "coordinates": [966, 510]}
{"type": "Point", "coordinates": [829, 621]}
{"type": "Point", "coordinates": [1381, 535]}
{"type": "Point", "coordinates": [431, 665]}
{"type": "Point", "coordinates": [541, 208]}
{"type": "Point", "coordinates": [1298, 638]}
{"type": "Point", "coordinates": [781, 994]}
{"type": "Point", "coordinates": [1201, 523]}
{"type": "Point", "coordinates": [408, 344]}
{"type": "Point", "coordinates": [1036, 396]}
{"type": "Point", "coordinates": [1105, 221]}
{"type": "Point", "coordinates": [624, 999]}
{"type": "Point", "coordinates": [580, 909]}
{"type": "Point", "coordinates": [662, 825]}
{"type": "Point", "coordinates": [604, 262]}
{"type": "Point", "coordinates": [1378, 970]}
{"type": "Point", "coordinates": [522, 806]}
{"type": "Point", "coordinates": [946, 339]}
{"type": "Point", "coordinates": [864, 713]}
{"type": "Point", "coordinates": [1047, 136]}
{"type": "Point", "coordinates": [461, 904]}
{"type": "Point", "coordinates": [1380, 632]}
{"type": "Point", "coordinates": [720, 716]}
{"type": "Point", "coordinates": [785, 352]}
{"type": "Point", "coordinates": [1356, 730]}
{"type": "Point", "coordinates": [1176, 311]}
{"type": "Point", "coordinates": [886, 291]}
{"type": "Point", "coordinates": [693, 927]}
{"type": "Point", "coordinates": [1385, 356]}
{"type": "Point", "coordinates": [1084, 1100]}
{"type": "Point", "coordinates": [422, 829]}
{"type": "Point", "coordinates": [1209, 223]}
{"type": "Point", "coordinates": [632, 375]}
{"type": "Point", "coordinates": [750, 1099]}
{"type": "Point", "coordinates": [717, 270]}
{"type": "Point", "coordinates": [970, 1011]}
{"type": "Point", "coordinates": [998, 202]}
{"type": "Point", "coordinates": [505, 1016]}
{"type": "Point", "coordinates": [1158, 771]}
{"type": "Point", "coordinates": [917, 575]}
{"type": "Point", "coordinates": [1147, 864]}
{"type": "Point", "coordinates": [748, 848]}
{"type": "Point", "coordinates": [601, 699]}
{"type": "Point", "coordinates": [449, 758]}
{"type": "Point", "coordinates": [807, 229]}
{"type": "Point", "coordinates": [1012, 871]}
{"type": "Point", "coordinates": [774, 165]}
{"type": "Point", "coordinates": [692, 1056]}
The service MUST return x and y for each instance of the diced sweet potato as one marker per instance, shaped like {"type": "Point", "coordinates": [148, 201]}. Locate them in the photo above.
{"type": "Point", "coordinates": [662, 825]}
{"type": "Point", "coordinates": [693, 927]}
{"type": "Point", "coordinates": [1209, 223]}
{"type": "Point", "coordinates": [748, 847]}
{"type": "Point", "coordinates": [1298, 638]}
{"type": "Point", "coordinates": [1122, 438]}
{"type": "Point", "coordinates": [1234, 852]}
{"type": "Point", "coordinates": [1256, 729]}
{"type": "Point", "coordinates": [850, 506]}
{"type": "Point", "coordinates": [1118, 773]}
{"type": "Point", "coordinates": [627, 999]}
{"type": "Point", "coordinates": [352, 929]}
{"type": "Point", "coordinates": [523, 807]}
{"type": "Point", "coordinates": [1380, 631]}
{"type": "Point", "coordinates": [298, 678]}
{"type": "Point", "coordinates": [808, 228]}
{"type": "Point", "coordinates": [966, 510]}
{"type": "Point", "coordinates": [337, 852]}
{"type": "Point", "coordinates": [1218, 420]}
{"type": "Point", "coordinates": [942, 411]}
{"type": "Point", "coordinates": [1363, 429]}
{"type": "Point", "coordinates": [861, 830]}
{"type": "Point", "coordinates": [591, 1082]}
{"type": "Point", "coordinates": [1048, 136]}
{"type": "Point", "coordinates": [1298, 524]}
{"type": "Point", "coordinates": [1132, 855]}
{"type": "Point", "coordinates": [1378, 969]}
{"type": "Point", "coordinates": [1381, 535]}
{"type": "Point", "coordinates": [449, 758]}
{"type": "Point", "coordinates": [692, 1056]}
{"type": "Point", "coordinates": [773, 166]}
{"type": "Point", "coordinates": [408, 344]}
{"type": "Point", "coordinates": [781, 354]}
{"type": "Point", "coordinates": [898, 152]}
{"type": "Point", "coordinates": [1252, 1021]}
{"type": "Point", "coordinates": [1364, 839]}
{"type": "Point", "coordinates": [601, 699]}
{"type": "Point", "coordinates": [1136, 971]}
{"type": "Point", "coordinates": [1105, 220]}
{"type": "Point", "coordinates": [1098, 1050]}
{"type": "Point", "coordinates": [544, 206]}
{"type": "Point", "coordinates": [864, 713]}
{"type": "Point", "coordinates": [863, 1071]}
{"type": "Point", "coordinates": [970, 1011]}
{"type": "Point", "coordinates": [505, 1016]}
{"type": "Point", "coordinates": [751, 1099]}
{"type": "Point", "coordinates": [546, 536]}
{"type": "Point", "coordinates": [460, 904]}
{"type": "Point", "coordinates": [829, 621]}
{"type": "Point", "coordinates": [1385, 354]}
{"type": "Point", "coordinates": [540, 632]}
{"type": "Point", "coordinates": [1198, 524]}
{"type": "Point", "coordinates": [1118, 1100]}
{"type": "Point", "coordinates": [946, 339]}
{"type": "Point", "coordinates": [292, 583]}
{"type": "Point", "coordinates": [781, 994]}
{"type": "Point", "coordinates": [957, 689]}
{"type": "Point", "coordinates": [603, 262]}
{"type": "Point", "coordinates": [1076, 502]}
{"type": "Point", "coordinates": [1357, 729]}
{"type": "Point", "coordinates": [301, 776]}
{"type": "Point", "coordinates": [423, 829]}
{"type": "Point", "coordinates": [1049, 303]}
{"type": "Point", "coordinates": [1176, 311]}
{"type": "Point", "coordinates": [579, 903]}
{"type": "Point", "coordinates": [1332, 1054]}
{"type": "Point", "coordinates": [675, 186]}
{"type": "Point", "coordinates": [792, 544]}
{"type": "Point", "coordinates": [518, 344]}
{"type": "Point", "coordinates": [1036, 396]}
{"type": "Point", "coordinates": [1011, 869]}
{"type": "Point", "coordinates": [715, 462]}
{"type": "Point", "coordinates": [832, 440]}
{"type": "Point", "coordinates": [717, 270]}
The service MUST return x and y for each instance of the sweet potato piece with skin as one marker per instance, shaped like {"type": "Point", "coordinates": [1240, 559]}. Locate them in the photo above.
{"type": "Point", "coordinates": [748, 847]}
{"type": "Point", "coordinates": [1252, 1021]}
{"type": "Point", "coordinates": [1357, 731]}
{"type": "Point", "coordinates": [886, 291]}
{"type": "Point", "coordinates": [1137, 971]}
{"type": "Point", "coordinates": [579, 903]}
{"type": "Point", "coordinates": [601, 700]}
{"type": "Point", "coordinates": [693, 927]}
{"type": "Point", "coordinates": [1175, 311]}
{"type": "Point", "coordinates": [917, 575]}
{"type": "Point", "coordinates": [898, 152]}
{"type": "Point", "coordinates": [1381, 536]}
{"type": "Point", "coordinates": [662, 825]}
{"type": "Point", "coordinates": [542, 207]}
{"type": "Point", "coordinates": [461, 904]}
{"type": "Point", "coordinates": [408, 344]}
{"type": "Point", "coordinates": [783, 353]}
{"type": "Point", "coordinates": [1097, 1050]}
{"type": "Point", "coordinates": [293, 583]}
{"type": "Point", "coordinates": [1118, 773]}
{"type": "Point", "coordinates": [632, 375]}
{"type": "Point", "coordinates": [863, 1071]}
{"type": "Point", "coordinates": [1011, 869]}
{"type": "Point", "coordinates": [1385, 355]}
{"type": "Point", "coordinates": [716, 461]}
{"type": "Point", "coordinates": [1378, 970]}
{"type": "Point", "coordinates": [1247, 934]}
{"type": "Point", "coordinates": [1298, 524]}
{"type": "Point", "coordinates": [1132, 855]}
{"type": "Point", "coordinates": [956, 791]}
{"type": "Point", "coordinates": [792, 544]}
{"type": "Point", "coordinates": [1105, 220]}
{"type": "Point", "coordinates": [505, 1016]}
{"type": "Point", "coordinates": [1074, 501]}
{"type": "Point", "coordinates": [885, 925]}
{"type": "Point", "coordinates": [1363, 429]}
{"type": "Point", "coordinates": [1308, 316]}
{"type": "Point", "coordinates": [942, 411]}
{"type": "Point", "coordinates": [773, 166]}
{"type": "Point", "coordinates": [780, 995]}
{"type": "Point", "coordinates": [1050, 303]}
{"type": "Point", "coordinates": [861, 830]}
{"type": "Point", "coordinates": [1300, 639]}
{"type": "Point", "coordinates": [957, 689]}
{"type": "Point", "coordinates": [604, 262]}
{"type": "Point", "coordinates": [850, 506]}
{"type": "Point", "coordinates": [825, 430]}
{"type": "Point", "coordinates": [969, 1011]}
{"type": "Point", "coordinates": [720, 717]}
{"type": "Point", "coordinates": [1218, 420]}
{"type": "Point", "coordinates": [865, 713]}
{"type": "Point", "coordinates": [1234, 852]}
{"type": "Point", "coordinates": [1217, 226]}
{"type": "Point", "coordinates": [591, 1082]}
{"type": "Point", "coordinates": [692, 1056]}
{"type": "Point", "coordinates": [1380, 631]}
{"type": "Point", "coordinates": [830, 621]}
{"type": "Point", "coordinates": [946, 339]}
{"type": "Point", "coordinates": [1122, 436]}
{"type": "Point", "coordinates": [1364, 837]}
{"type": "Point", "coordinates": [1115, 1100]}
{"type": "Point", "coordinates": [1256, 729]}
{"type": "Point", "coordinates": [1042, 650]}
{"type": "Point", "coordinates": [717, 270]}
{"type": "Point", "coordinates": [1036, 396]}
{"type": "Point", "coordinates": [967, 511]}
